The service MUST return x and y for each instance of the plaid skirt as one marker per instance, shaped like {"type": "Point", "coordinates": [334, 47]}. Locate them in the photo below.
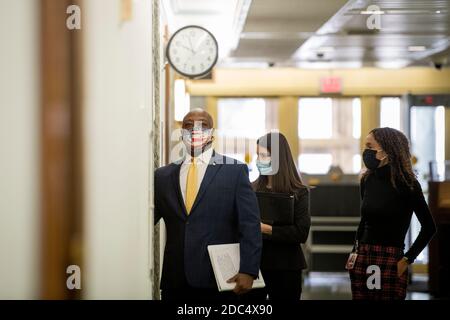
{"type": "Point", "coordinates": [389, 286]}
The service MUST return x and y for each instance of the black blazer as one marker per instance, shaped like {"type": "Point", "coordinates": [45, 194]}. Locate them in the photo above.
{"type": "Point", "coordinates": [225, 211]}
{"type": "Point", "coordinates": [282, 250]}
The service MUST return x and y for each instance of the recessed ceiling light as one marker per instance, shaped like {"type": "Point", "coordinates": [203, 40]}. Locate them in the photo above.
{"type": "Point", "coordinates": [438, 11]}
{"type": "Point", "coordinates": [416, 48]}
{"type": "Point", "coordinates": [391, 64]}
{"type": "Point", "coordinates": [325, 49]}
{"type": "Point", "coordinates": [372, 12]}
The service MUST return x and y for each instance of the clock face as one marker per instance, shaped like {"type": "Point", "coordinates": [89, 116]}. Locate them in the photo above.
{"type": "Point", "coordinates": [192, 51]}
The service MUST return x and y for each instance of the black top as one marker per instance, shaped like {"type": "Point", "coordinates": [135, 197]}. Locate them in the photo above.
{"type": "Point", "coordinates": [386, 213]}
{"type": "Point", "coordinates": [282, 250]}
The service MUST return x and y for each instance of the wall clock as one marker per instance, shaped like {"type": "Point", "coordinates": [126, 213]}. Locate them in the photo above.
{"type": "Point", "coordinates": [192, 51]}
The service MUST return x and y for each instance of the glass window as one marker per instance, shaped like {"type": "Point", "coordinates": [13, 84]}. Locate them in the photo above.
{"type": "Point", "coordinates": [329, 132]}
{"type": "Point", "coordinates": [315, 115]}
{"type": "Point", "coordinates": [427, 139]}
{"type": "Point", "coordinates": [427, 144]}
{"type": "Point", "coordinates": [182, 100]}
{"type": "Point", "coordinates": [390, 113]}
{"type": "Point", "coordinates": [439, 118]}
{"type": "Point", "coordinates": [357, 163]}
{"type": "Point", "coordinates": [244, 118]}
{"type": "Point", "coordinates": [315, 163]}
{"type": "Point", "coordinates": [253, 169]}
{"type": "Point", "coordinates": [356, 116]}
{"type": "Point", "coordinates": [240, 122]}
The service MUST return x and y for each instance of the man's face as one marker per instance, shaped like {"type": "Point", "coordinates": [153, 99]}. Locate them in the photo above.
{"type": "Point", "coordinates": [197, 132]}
{"type": "Point", "coordinates": [197, 119]}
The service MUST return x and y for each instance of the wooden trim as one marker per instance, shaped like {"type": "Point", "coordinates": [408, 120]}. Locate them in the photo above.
{"type": "Point", "coordinates": [277, 82]}
{"type": "Point", "coordinates": [158, 135]}
{"type": "Point", "coordinates": [288, 123]}
{"type": "Point", "coordinates": [76, 236]}
{"type": "Point", "coordinates": [61, 169]}
{"type": "Point", "coordinates": [167, 95]}
{"type": "Point", "coordinates": [370, 116]}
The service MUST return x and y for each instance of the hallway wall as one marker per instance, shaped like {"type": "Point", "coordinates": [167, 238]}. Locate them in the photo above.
{"type": "Point", "coordinates": [305, 82]}
{"type": "Point", "coordinates": [118, 122]}
{"type": "Point", "coordinates": [19, 141]}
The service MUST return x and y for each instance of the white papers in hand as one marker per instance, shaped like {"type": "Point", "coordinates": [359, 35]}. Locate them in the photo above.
{"type": "Point", "coordinates": [225, 260]}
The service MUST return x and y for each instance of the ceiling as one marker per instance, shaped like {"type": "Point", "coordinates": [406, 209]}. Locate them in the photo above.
{"type": "Point", "coordinates": [225, 19]}
{"type": "Point", "coordinates": [274, 30]}
{"type": "Point", "coordinates": [322, 33]}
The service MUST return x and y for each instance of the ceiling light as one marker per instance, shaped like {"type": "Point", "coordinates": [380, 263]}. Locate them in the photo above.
{"type": "Point", "coordinates": [181, 100]}
{"type": "Point", "coordinates": [372, 12]}
{"type": "Point", "coordinates": [416, 48]}
{"type": "Point", "coordinates": [438, 11]}
{"type": "Point", "coordinates": [325, 49]}
{"type": "Point", "coordinates": [392, 64]}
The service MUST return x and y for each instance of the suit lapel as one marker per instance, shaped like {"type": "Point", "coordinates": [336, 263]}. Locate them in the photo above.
{"type": "Point", "coordinates": [212, 169]}
{"type": "Point", "coordinates": [176, 185]}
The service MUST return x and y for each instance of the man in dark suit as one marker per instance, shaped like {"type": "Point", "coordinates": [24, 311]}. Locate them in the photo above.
{"type": "Point", "coordinates": [205, 199]}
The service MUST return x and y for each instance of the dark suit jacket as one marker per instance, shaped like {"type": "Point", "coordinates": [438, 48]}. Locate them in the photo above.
{"type": "Point", "coordinates": [282, 250]}
{"type": "Point", "coordinates": [225, 211]}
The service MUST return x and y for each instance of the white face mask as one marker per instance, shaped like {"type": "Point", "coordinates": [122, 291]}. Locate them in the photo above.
{"type": "Point", "coordinates": [197, 138]}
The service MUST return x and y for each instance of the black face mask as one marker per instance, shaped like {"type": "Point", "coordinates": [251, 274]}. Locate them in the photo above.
{"type": "Point", "coordinates": [370, 159]}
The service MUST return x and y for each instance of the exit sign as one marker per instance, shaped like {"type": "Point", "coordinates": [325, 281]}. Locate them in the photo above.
{"type": "Point", "coordinates": [331, 85]}
{"type": "Point", "coordinates": [429, 99]}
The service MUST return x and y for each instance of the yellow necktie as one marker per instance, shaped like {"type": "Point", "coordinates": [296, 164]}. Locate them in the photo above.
{"type": "Point", "coordinates": [191, 185]}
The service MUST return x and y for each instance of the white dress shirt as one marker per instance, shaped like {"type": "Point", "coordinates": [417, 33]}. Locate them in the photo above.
{"type": "Point", "coordinates": [202, 162]}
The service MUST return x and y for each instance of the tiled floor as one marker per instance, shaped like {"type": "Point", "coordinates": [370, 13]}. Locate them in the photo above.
{"type": "Point", "coordinates": [336, 286]}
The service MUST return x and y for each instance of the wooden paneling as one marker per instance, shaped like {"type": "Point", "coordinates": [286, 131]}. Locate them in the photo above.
{"type": "Point", "coordinates": [288, 123]}
{"type": "Point", "coordinates": [370, 116]}
{"type": "Point", "coordinates": [61, 149]}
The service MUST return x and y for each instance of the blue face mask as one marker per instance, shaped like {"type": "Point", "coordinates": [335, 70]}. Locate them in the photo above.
{"type": "Point", "coordinates": [264, 167]}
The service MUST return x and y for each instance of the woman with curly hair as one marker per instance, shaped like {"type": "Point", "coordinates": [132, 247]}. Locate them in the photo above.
{"type": "Point", "coordinates": [390, 194]}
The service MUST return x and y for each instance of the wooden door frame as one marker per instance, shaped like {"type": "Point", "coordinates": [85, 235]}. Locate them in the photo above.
{"type": "Point", "coordinates": [61, 145]}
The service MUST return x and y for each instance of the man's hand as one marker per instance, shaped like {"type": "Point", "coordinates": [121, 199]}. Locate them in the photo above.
{"type": "Point", "coordinates": [244, 283]}
{"type": "Point", "coordinates": [266, 228]}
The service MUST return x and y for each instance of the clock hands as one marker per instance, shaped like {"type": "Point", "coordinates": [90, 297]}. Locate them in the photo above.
{"type": "Point", "coordinates": [187, 48]}
{"type": "Point", "coordinates": [190, 43]}
{"type": "Point", "coordinates": [199, 42]}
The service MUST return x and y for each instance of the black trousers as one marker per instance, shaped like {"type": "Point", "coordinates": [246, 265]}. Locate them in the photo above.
{"type": "Point", "coordinates": [184, 292]}
{"type": "Point", "coordinates": [281, 285]}
{"type": "Point", "coordinates": [191, 294]}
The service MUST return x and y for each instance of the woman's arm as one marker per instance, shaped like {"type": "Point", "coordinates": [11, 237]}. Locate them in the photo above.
{"type": "Point", "coordinates": [298, 232]}
{"type": "Point", "coordinates": [360, 229]}
{"type": "Point", "coordinates": [428, 227]}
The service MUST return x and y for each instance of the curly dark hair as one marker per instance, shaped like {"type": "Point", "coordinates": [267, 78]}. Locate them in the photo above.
{"type": "Point", "coordinates": [396, 146]}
